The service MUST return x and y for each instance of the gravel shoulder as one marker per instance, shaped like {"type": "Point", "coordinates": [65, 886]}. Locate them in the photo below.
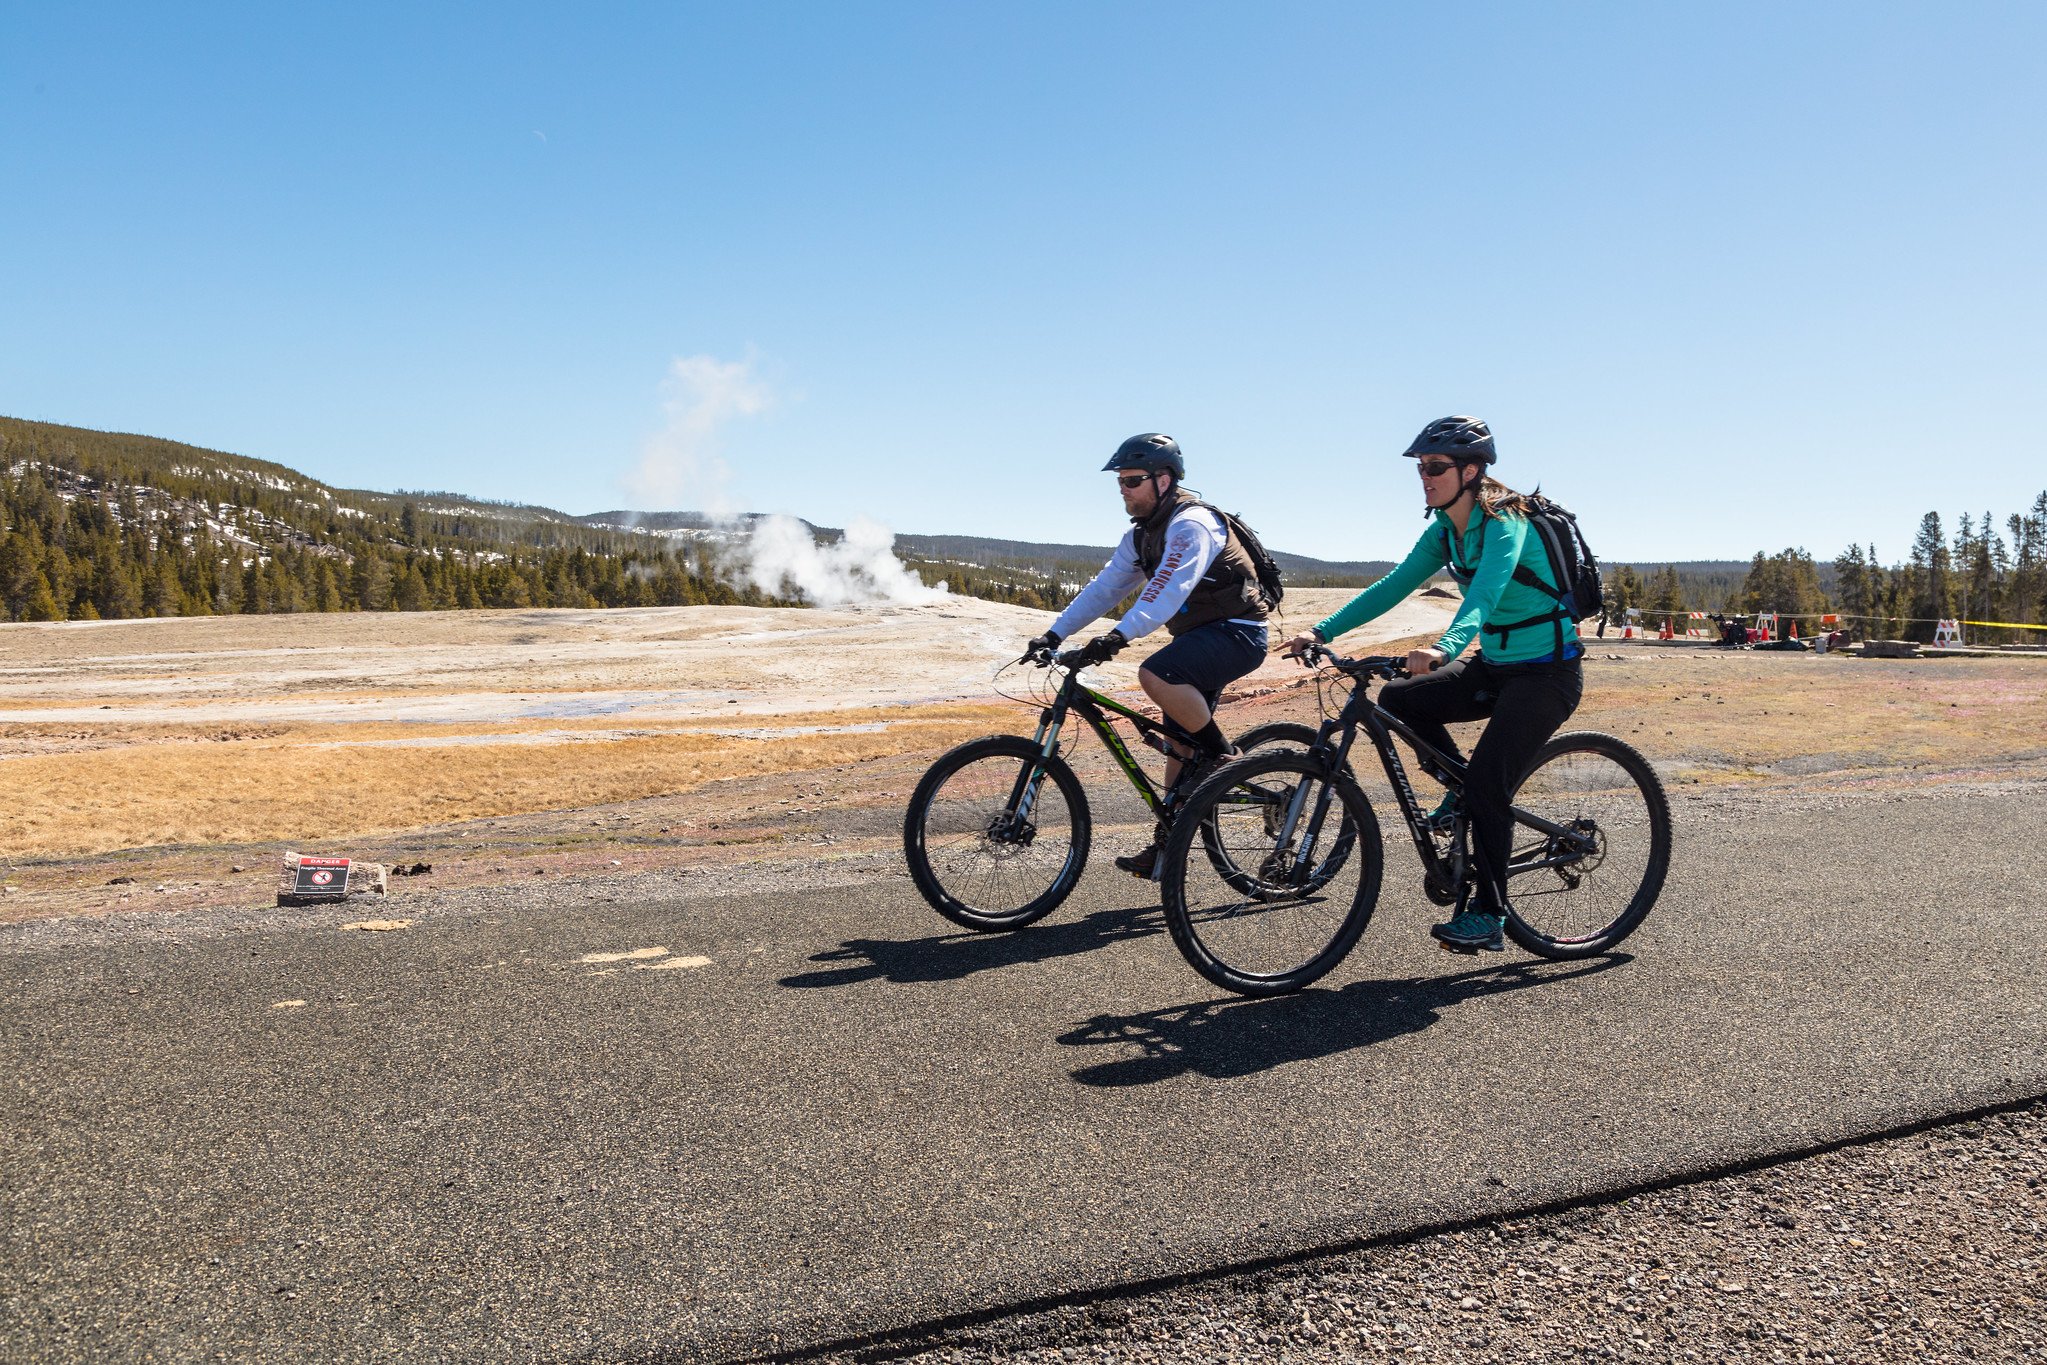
{"type": "Point", "coordinates": [1926, 1246]}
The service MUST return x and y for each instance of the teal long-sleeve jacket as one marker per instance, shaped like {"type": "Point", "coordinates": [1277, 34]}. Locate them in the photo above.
{"type": "Point", "coordinates": [1487, 554]}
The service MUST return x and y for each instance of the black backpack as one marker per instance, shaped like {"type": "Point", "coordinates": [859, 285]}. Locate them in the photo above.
{"type": "Point", "coordinates": [1269, 584]}
{"type": "Point", "coordinates": [1579, 594]}
{"type": "Point", "coordinates": [1570, 559]}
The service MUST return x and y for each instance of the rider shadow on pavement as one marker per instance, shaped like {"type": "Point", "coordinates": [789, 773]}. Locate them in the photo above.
{"type": "Point", "coordinates": [1236, 1036]}
{"type": "Point", "coordinates": [949, 957]}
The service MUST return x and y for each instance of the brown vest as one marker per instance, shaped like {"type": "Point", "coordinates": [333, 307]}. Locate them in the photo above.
{"type": "Point", "coordinates": [1228, 591]}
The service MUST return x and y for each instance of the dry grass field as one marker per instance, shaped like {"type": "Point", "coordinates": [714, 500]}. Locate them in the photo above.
{"type": "Point", "coordinates": [495, 744]}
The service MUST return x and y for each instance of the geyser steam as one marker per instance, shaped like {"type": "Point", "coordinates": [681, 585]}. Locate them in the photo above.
{"type": "Point", "coordinates": [774, 554]}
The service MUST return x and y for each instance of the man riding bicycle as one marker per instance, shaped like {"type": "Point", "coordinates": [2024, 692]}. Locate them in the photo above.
{"type": "Point", "coordinates": [1192, 576]}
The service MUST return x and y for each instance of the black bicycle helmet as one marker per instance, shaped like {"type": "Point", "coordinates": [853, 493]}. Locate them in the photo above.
{"type": "Point", "coordinates": [1464, 439]}
{"type": "Point", "coordinates": [1150, 452]}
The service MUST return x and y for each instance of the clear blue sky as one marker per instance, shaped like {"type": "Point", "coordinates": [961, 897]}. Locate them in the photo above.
{"type": "Point", "coordinates": [1723, 277]}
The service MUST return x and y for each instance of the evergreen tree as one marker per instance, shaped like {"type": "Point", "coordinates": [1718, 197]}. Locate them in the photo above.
{"type": "Point", "coordinates": [38, 603]}
{"type": "Point", "coordinates": [120, 591]}
{"type": "Point", "coordinates": [1787, 582]}
{"type": "Point", "coordinates": [372, 581]}
{"type": "Point", "coordinates": [326, 594]}
{"type": "Point", "coordinates": [410, 592]}
{"type": "Point", "coordinates": [1666, 597]}
{"type": "Point", "coordinates": [1933, 581]}
{"type": "Point", "coordinates": [1624, 589]}
{"type": "Point", "coordinates": [1851, 582]}
{"type": "Point", "coordinates": [161, 595]}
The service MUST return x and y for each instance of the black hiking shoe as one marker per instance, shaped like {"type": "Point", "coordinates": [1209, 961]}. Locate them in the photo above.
{"type": "Point", "coordinates": [1141, 863]}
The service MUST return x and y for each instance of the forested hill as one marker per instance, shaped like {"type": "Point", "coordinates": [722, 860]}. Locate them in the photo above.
{"type": "Point", "coordinates": [102, 524]}
{"type": "Point", "coordinates": [108, 524]}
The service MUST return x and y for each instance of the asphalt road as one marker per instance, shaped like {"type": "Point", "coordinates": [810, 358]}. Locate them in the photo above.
{"type": "Point", "coordinates": [470, 1143]}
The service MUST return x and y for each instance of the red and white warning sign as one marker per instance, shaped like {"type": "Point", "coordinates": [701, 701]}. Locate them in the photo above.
{"type": "Point", "coordinates": [321, 877]}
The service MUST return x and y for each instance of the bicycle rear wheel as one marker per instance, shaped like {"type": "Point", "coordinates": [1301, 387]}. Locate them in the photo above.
{"type": "Point", "coordinates": [1581, 886]}
{"type": "Point", "coordinates": [1313, 867]}
{"type": "Point", "coordinates": [989, 848]}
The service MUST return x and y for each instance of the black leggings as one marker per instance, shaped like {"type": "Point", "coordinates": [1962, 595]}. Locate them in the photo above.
{"type": "Point", "coordinates": [1527, 703]}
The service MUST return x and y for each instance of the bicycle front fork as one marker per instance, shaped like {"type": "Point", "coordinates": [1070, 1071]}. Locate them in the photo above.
{"type": "Point", "coordinates": [1046, 740]}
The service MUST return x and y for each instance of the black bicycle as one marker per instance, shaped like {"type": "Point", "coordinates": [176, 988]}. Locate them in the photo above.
{"type": "Point", "coordinates": [1591, 845]}
{"type": "Point", "coordinates": [997, 831]}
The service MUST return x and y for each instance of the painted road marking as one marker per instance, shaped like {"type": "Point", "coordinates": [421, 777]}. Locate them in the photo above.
{"type": "Point", "coordinates": [636, 955]}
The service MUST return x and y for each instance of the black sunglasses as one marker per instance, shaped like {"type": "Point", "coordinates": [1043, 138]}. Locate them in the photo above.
{"type": "Point", "coordinates": [1132, 480]}
{"type": "Point", "coordinates": [1435, 469]}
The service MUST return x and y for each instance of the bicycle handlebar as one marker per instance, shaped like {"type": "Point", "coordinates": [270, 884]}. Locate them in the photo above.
{"type": "Point", "coordinates": [1383, 666]}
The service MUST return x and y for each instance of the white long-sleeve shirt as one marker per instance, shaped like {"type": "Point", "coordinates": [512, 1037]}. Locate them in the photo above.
{"type": "Point", "coordinates": [1194, 538]}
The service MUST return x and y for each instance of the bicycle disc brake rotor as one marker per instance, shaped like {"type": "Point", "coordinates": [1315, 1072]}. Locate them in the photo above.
{"type": "Point", "coordinates": [1586, 849]}
{"type": "Point", "coordinates": [1008, 834]}
{"type": "Point", "coordinates": [1278, 867]}
{"type": "Point", "coordinates": [1276, 806]}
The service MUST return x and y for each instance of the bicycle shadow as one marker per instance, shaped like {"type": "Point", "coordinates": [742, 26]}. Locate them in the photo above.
{"type": "Point", "coordinates": [950, 957]}
{"type": "Point", "coordinates": [1234, 1037]}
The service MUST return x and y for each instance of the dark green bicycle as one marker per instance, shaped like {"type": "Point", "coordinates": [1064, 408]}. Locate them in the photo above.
{"type": "Point", "coordinates": [997, 832]}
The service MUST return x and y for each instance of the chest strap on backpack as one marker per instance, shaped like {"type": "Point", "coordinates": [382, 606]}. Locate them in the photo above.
{"type": "Point", "coordinates": [1528, 578]}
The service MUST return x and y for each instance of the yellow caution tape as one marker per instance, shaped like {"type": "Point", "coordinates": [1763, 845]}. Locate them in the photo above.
{"type": "Point", "coordinates": [2005, 625]}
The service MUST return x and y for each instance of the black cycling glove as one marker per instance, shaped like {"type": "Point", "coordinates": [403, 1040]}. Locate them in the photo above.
{"type": "Point", "coordinates": [1041, 646]}
{"type": "Point", "coordinates": [1098, 650]}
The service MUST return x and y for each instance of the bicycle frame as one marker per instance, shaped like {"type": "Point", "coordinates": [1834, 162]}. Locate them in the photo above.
{"type": "Point", "coordinates": [1381, 725]}
{"type": "Point", "coordinates": [1095, 709]}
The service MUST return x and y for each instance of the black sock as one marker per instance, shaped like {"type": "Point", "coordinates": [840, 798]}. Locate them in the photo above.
{"type": "Point", "coordinates": [1209, 739]}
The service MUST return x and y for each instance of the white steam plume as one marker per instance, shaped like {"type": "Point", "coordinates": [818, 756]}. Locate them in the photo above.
{"type": "Point", "coordinates": [781, 557]}
{"type": "Point", "coordinates": [774, 554]}
{"type": "Point", "coordinates": [701, 394]}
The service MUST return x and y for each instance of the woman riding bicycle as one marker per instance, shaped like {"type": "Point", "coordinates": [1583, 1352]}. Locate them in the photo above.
{"type": "Point", "coordinates": [1528, 673]}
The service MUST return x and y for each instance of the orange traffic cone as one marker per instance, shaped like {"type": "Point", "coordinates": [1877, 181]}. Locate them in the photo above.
{"type": "Point", "coordinates": [1665, 633]}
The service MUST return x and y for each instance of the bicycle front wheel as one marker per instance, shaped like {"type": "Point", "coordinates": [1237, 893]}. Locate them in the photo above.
{"type": "Point", "coordinates": [1289, 879]}
{"type": "Point", "coordinates": [1591, 847]}
{"type": "Point", "coordinates": [996, 834]}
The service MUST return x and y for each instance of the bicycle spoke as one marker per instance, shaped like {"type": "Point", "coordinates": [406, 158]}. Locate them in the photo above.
{"type": "Point", "coordinates": [994, 870]}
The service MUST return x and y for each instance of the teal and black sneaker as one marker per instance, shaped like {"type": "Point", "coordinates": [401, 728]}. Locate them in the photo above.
{"type": "Point", "coordinates": [1443, 819]}
{"type": "Point", "coordinates": [1472, 931]}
